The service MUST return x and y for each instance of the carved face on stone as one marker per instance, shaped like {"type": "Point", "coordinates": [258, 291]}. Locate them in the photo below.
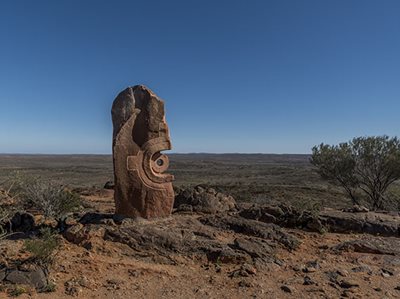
{"type": "Point", "coordinates": [142, 188]}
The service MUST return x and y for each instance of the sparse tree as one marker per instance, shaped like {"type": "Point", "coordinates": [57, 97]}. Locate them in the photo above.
{"type": "Point", "coordinates": [371, 164]}
{"type": "Point", "coordinates": [335, 163]}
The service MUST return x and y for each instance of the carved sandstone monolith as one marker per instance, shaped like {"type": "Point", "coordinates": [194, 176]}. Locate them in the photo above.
{"type": "Point", "coordinates": [140, 134]}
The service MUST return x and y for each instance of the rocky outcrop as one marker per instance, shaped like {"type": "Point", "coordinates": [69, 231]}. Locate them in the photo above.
{"type": "Point", "coordinates": [204, 200]}
{"type": "Point", "coordinates": [330, 220]}
{"type": "Point", "coordinates": [388, 246]}
{"type": "Point", "coordinates": [267, 231]}
{"type": "Point", "coordinates": [140, 134]}
{"type": "Point", "coordinates": [186, 235]}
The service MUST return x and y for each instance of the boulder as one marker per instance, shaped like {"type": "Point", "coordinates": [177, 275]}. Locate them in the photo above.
{"type": "Point", "coordinates": [204, 200]}
{"type": "Point", "coordinates": [36, 278]}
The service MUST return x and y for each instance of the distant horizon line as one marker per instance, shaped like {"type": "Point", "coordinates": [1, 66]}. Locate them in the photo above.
{"type": "Point", "coordinates": [174, 153]}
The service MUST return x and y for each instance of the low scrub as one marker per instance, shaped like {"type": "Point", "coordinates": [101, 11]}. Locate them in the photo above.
{"type": "Point", "coordinates": [43, 248]}
{"type": "Point", "coordinates": [47, 197]}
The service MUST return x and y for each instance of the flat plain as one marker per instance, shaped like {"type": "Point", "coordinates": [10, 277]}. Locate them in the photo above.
{"type": "Point", "coordinates": [259, 178]}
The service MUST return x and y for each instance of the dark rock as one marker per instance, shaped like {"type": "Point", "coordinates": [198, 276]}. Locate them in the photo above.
{"type": "Point", "coordinates": [226, 256]}
{"type": "Point", "coordinates": [254, 228]}
{"type": "Point", "coordinates": [332, 276]}
{"type": "Point", "coordinates": [95, 218]}
{"type": "Point", "coordinates": [308, 281]}
{"type": "Point", "coordinates": [387, 272]}
{"type": "Point", "coordinates": [370, 223]}
{"type": "Point", "coordinates": [109, 185]}
{"type": "Point", "coordinates": [390, 246]}
{"type": "Point", "coordinates": [355, 220]}
{"type": "Point", "coordinates": [204, 200]}
{"type": "Point", "coordinates": [311, 266]}
{"type": "Point", "coordinates": [245, 270]}
{"type": "Point", "coordinates": [255, 248]}
{"type": "Point", "coordinates": [36, 278]}
{"type": "Point", "coordinates": [346, 284]}
{"type": "Point", "coordinates": [286, 289]}
{"type": "Point", "coordinates": [362, 268]}
{"type": "Point", "coordinates": [283, 215]}
{"type": "Point", "coordinates": [3, 273]}
{"type": "Point", "coordinates": [23, 222]}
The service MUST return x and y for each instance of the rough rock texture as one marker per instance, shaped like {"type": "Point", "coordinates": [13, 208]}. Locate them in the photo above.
{"type": "Point", "coordinates": [205, 200]}
{"type": "Point", "coordinates": [33, 276]}
{"type": "Point", "coordinates": [367, 222]}
{"type": "Point", "coordinates": [185, 235]}
{"type": "Point", "coordinates": [140, 134]}
{"type": "Point", "coordinates": [327, 220]}
{"type": "Point", "coordinates": [389, 246]}
{"type": "Point", "coordinates": [252, 228]}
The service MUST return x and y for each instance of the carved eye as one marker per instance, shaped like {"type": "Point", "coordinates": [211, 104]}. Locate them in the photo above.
{"type": "Point", "coordinates": [160, 162]}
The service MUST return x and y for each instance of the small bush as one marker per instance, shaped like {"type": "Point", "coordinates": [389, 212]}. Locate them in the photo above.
{"type": "Point", "coordinates": [5, 216]}
{"type": "Point", "coordinates": [50, 288]}
{"type": "Point", "coordinates": [44, 247]}
{"type": "Point", "coordinates": [17, 291]}
{"type": "Point", "coordinates": [49, 198]}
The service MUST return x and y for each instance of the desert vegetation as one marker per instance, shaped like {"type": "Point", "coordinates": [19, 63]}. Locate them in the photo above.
{"type": "Point", "coordinates": [367, 164]}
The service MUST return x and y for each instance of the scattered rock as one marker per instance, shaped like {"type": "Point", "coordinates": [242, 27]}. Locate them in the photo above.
{"type": "Point", "coordinates": [362, 268]}
{"type": "Point", "coordinates": [387, 272]}
{"type": "Point", "coordinates": [343, 272]}
{"type": "Point", "coordinates": [346, 284]}
{"type": "Point", "coordinates": [245, 270]}
{"type": "Point", "coordinates": [308, 281]}
{"type": "Point", "coordinates": [286, 289]}
{"type": "Point", "coordinates": [245, 284]}
{"type": "Point", "coordinates": [311, 267]}
{"type": "Point", "coordinates": [113, 284]}
{"type": "Point", "coordinates": [109, 185]}
{"type": "Point", "coordinates": [72, 287]}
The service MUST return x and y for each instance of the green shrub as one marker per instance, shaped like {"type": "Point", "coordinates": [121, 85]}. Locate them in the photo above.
{"type": "Point", "coordinates": [370, 164]}
{"type": "Point", "coordinates": [49, 198]}
{"type": "Point", "coordinates": [50, 288]}
{"type": "Point", "coordinates": [43, 248]}
{"type": "Point", "coordinates": [17, 291]}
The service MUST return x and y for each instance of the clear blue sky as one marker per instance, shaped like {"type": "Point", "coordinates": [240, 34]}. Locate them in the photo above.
{"type": "Point", "coordinates": [237, 76]}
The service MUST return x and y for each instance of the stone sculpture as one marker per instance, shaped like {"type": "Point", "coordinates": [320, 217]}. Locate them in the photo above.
{"type": "Point", "coordinates": [140, 134]}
